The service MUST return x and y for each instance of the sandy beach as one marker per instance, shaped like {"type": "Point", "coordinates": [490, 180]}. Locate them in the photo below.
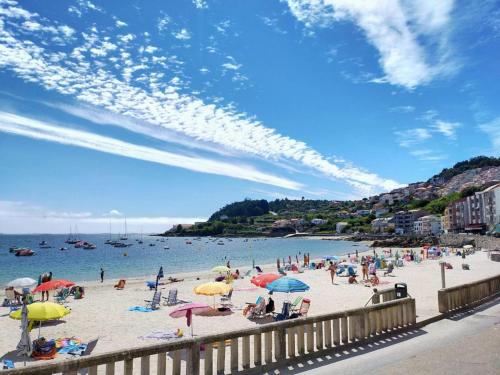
{"type": "Point", "coordinates": [103, 313]}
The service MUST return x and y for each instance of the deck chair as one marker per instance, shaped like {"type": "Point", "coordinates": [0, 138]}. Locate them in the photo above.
{"type": "Point", "coordinates": [227, 297]}
{"type": "Point", "coordinates": [281, 271]}
{"type": "Point", "coordinates": [304, 307]}
{"type": "Point", "coordinates": [154, 304]}
{"type": "Point", "coordinates": [246, 274]}
{"type": "Point", "coordinates": [296, 304]}
{"type": "Point", "coordinates": [10, 296]}
{"type": "Point", "coordinates": [172, 299]}
{"type": "Point", "coordinates": [257, 310]}
{"type": "Point", "coordinates": [121, 284]}
{"type": "Point", "coordinates": [63, 294]}
{"type": "Point", "coordinates": [284, 314]}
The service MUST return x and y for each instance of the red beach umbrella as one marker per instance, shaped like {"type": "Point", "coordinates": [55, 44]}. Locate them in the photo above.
{"type": "Point", "coordinates": [263, 279]}
{"type": "Point", "coordinates": [53, 284]}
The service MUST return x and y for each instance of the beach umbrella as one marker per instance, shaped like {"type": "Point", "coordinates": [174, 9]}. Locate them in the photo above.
{"type": "Point", "coordinates": [187, 310]}
{"type": "Point", "coordinates": [287, 285]}
{"type": "Point", "coordinates": [221, 269]}
{"type": "Point", "coordinates": [24, 346]}
{"type": "Point", "coordinates": [23, 282]}
{"type": "Point", "coordinates": [53, 284]}
{"type": "Point", "coordinates": [213, 289]}
{"type": "Point", "coordinates": [263, 279]}
{"type": "Point", "coordinates": [42, 311]}
{"type": "Point", "coordinates": [331, 257]}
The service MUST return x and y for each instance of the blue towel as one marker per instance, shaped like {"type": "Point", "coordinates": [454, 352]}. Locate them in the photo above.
{"type": "Point", "coordinates": [7, 364]}
{"type": "Point", "coordinates": [140, 309]}
{"type": "Point", "coordinates": [73, 349]}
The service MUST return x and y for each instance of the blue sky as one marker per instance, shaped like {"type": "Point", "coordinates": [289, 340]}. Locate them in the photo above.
{"type": "Point", "coordinates": [164, 111]}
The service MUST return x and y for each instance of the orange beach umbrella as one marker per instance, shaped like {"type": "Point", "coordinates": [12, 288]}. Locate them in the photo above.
{"type": "Point", "coordinates": [263, 279]}
{"type": "Point", "coordinates": [53, 284]}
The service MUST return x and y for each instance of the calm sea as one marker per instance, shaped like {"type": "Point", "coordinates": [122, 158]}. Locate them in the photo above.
{"type": "Point", "coordinates": [143, 259]}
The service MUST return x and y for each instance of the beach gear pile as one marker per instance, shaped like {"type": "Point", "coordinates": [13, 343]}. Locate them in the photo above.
{"type": "Point", "coordinates": [48, 349]}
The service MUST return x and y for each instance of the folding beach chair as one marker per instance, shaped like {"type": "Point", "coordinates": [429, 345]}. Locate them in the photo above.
{"type": "Point", "coordinates": [281, 271]}
{"type": "Point", "coordinates": [294, 307]}
{"type": "Point", "coordinates": [227, 297]}
{"type": "Point", "coordinates": [154, 304]}
{"type": "Point", "coordinates": [10, 296]}
{"type": "Point", "coordinates": [172, 299]}
{"type": "Point", "coordinates": [62, 296]}
{"type": "Point", "coordinates": [304, 307]}
{"type": "Point", "coordinates": [257, 311]}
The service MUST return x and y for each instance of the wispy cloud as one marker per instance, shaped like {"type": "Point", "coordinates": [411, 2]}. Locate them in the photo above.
{"type": "Point", "coordinates": [23, 126]}
{"type": "Point", "coordinates": [200, 4]}
{"type": "Point", "coordinates": [21, 217]}
{"type": "Point", "coordinates": [448, 129]}
{"type": "Point", "coordinates": [403, 109]}
{"type": "Point", "coordinates": [401, 31]}
{"type": "Point", "coordinates": [411, 137]}
{"type": "Point", "coordinates": [428, 155]}
{"type": "Point", "coordinates": [155, 99]}
{"type": "Point", "coordinates": [492, 130]}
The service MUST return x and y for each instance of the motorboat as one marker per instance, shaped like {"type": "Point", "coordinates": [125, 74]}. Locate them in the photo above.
{"type": "Point", "coordinates": [89, 246]}
{"type": "Point", "coordinates": [152, 244]}
{"type": "Point", "coordinates": [120, 244]}
{"type": "Point", "coordinates": [24, 252]}
{"type": "Point", "coordinates": [63, 248]}
{"type": "Point", "coordinates": [44, 245]}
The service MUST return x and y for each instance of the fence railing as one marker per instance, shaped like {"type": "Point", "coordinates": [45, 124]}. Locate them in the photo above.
{"type": "Point", "coordinates": [257, 349]}
{"type": "Point", "coordinates": [460, 296]}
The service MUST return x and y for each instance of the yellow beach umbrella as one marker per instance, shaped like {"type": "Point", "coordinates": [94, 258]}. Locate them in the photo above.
{"type": "Point", "coordinates": [212, 289]}
{"type": "Point", "coordinates": [42, 311]}
{"type": "Point", "coordinates": [221, 269]}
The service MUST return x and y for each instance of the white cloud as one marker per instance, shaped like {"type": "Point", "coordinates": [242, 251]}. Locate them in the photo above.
{"type": "Point", "coordinates": [231, 66]}
{"type": "Point", "coordinates": [114, 213]}
{"type": "Point", "coordinates": [27, 127]}
{"type": "Point", "coordinates": [411, 137]}
{"type": "Point", "coordinates": [119, 23]}
{"type": "Point", "coordinates": [492, 130]}
{"type": "Point", "coordinates": [21, 217]}
{"type": "Point", "coordinates": [200, 4]}
{"type": "Point", "coordinates": [157, 102]}
{"type": "Point", "coordinates": [182, 34]}
{"type": "Point", "coordinates": [448, 129]}
{"type": "Point", "coordinates": [428, 155]}
{"type": "Point", "coordinates": [401, 31]}
{"type": "Point", "coordinates": [163, 22]}
{"type": "Point", "coordinates": [403, 109]}
{"type": "Point", "coordinates": [126, 38]}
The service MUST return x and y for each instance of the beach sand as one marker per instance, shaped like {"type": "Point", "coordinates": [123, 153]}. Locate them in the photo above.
{"type": "Point", "coordinates": [103, 313]}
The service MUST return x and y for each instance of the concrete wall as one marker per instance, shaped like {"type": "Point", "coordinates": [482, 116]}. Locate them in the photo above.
{"type": "Point", "coordinates": [459, 240]}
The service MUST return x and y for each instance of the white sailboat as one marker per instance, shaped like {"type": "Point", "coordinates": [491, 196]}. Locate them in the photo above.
{"type": "Point", "coordinates": [124, 237]}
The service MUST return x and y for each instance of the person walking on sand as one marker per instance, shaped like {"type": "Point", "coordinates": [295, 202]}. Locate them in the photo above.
{"type": "Point", "coordinates": [364, 268]}
{"type": "Point", "coordinates": [333, 270]}
{"type": "Point", "coordinates": [46, 277]}
{"type": "Point", "coordinates": [102, 275]}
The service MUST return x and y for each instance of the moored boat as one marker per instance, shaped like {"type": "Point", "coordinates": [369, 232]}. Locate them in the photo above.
{"type": "Point", "coordinates": [24, 252]}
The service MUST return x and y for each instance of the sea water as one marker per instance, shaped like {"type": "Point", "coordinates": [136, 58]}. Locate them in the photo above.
{"type": "Point", "coordinates": [78, 264]}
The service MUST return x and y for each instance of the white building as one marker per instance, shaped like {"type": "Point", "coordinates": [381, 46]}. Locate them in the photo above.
{"type": "Point", "coordinates": [490, 204]}
{"type": "Point", "coordinates": [318, 221]}
{"type": "Point", "coordinates": [281, 223]}
{"type": "Point", "coordinates": [381, 211]}
{"type": "Point", "coordinates": [426, 225]}
{"type": "Point", "coordinates": [363, 212]}
{"type": "Point", "coordinates": [386, 199]}
{"type": "Point", "coordinates": [340, 227]}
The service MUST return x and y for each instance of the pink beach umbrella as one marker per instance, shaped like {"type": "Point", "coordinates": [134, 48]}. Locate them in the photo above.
{"type": "Point", "coordinates": [187, 310]}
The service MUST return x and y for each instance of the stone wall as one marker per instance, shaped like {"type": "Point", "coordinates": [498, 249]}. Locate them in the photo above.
{"type": "Point", "coordinates": [459, 240]}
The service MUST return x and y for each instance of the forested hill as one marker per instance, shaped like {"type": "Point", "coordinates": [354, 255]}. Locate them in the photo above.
{"type": "Point", "coordinates": [477, 162]}
{"type": "Point", "coordinates": [246, 208]}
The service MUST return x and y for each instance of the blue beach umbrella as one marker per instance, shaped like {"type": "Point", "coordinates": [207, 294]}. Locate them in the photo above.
{"type": "Point", "coordinates": [287, 285]}
{"type": "Point", "coordinates": [331, 257]}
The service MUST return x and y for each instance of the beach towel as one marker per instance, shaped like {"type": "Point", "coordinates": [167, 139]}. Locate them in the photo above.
{"type": "Point", "coordinates": [75, 349]}
{"type": "Point", "coordinates": [140, 309]}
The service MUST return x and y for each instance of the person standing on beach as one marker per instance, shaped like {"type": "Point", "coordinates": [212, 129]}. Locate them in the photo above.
{"type": "Point", "coordinates": [364, 268]}
{"type": "Point", "coordinates": [45, 278]}
{"type": "Point", "coordinates": [102, 275]}
{"type": "Point", "coordinates": [333, 270]}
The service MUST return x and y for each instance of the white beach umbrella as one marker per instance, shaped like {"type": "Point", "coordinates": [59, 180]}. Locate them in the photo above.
{"type": "Point", "coordinates": [23, 282]}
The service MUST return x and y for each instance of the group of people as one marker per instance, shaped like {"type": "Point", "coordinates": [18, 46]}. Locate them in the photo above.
{"type": "Point", "coordinates": [368, 270]}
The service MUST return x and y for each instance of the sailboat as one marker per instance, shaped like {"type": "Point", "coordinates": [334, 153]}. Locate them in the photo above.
{"type": "Point", "coordinates": [141, 241]}
{"type": "Point", "coordinates": [71, 239]}
{"type": "Point", "coordinates": [109, 241]}
{"type": "Point", "coordinates": [124, 237]}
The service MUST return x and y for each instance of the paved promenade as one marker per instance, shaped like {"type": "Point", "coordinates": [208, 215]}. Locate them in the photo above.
{"type": "Point", "coordinates": [465, 344]}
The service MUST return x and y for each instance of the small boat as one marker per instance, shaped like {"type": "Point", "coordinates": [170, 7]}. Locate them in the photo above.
{"type": "Point", "coordinates": [109, 242]}
{"type": "Point", "coordinates": [152, 244]}
{"type": "Point", "coordinates": [220, 243]}
{"type": "Point", "coordinates": [140, 241]}
{"type": "Point", "coordinates": [63, 248]}
{"type": "Point", "coordinates": [13, 249]}
{"type": "Point", "coordinates": [166, 247]}
{"type": "Point", "coordinates": [44, 245]}
{"type": "Point", "coordinates": [24, 253]}
{"type": "Point", "coordinates": [89, 246]}
{"type": "Point", "coordinates": [120, 244]}
{"type": "Point", "coordinates": [189, 243]}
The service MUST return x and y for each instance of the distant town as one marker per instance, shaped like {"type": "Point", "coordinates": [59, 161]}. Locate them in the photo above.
{"type": "Point", "coordinates": [462, 199]}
